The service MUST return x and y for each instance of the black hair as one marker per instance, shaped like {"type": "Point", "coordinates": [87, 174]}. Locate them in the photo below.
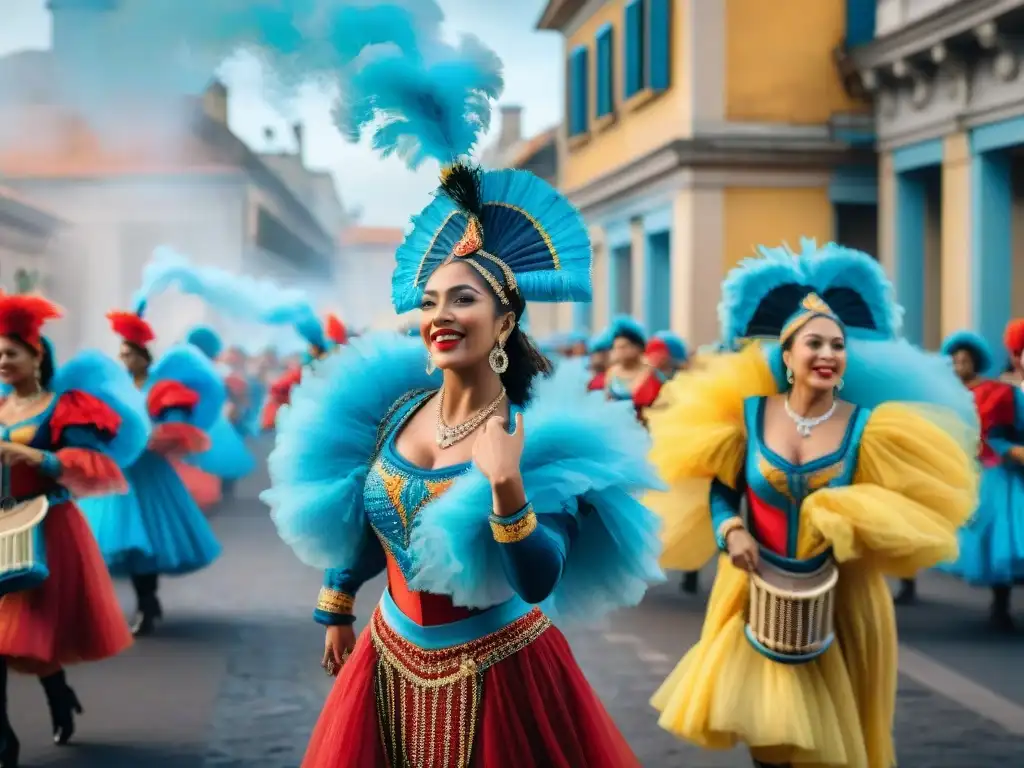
{"type": "Point", "coordinates": [461, 183]}
{"type": "Point", "coordinates": [971, 351]}
{"type": "Point", "coordinates": [140, 350]}
{"type": "Point", "coordinates": [46, 366]}
{"type": "Point", "coordinates": [631, 336]}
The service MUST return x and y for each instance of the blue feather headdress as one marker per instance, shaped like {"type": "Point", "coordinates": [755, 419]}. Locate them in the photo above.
{"type": "Point", "coordinates": [602, 342]}
{"type": "Point", "coordinates": [676, 346]}
{"type": "Point", "coordinates": [760, 294]}
{"type": "Point", "coordinates": [628, 327]}
{"type": "Point", "coordinates": [974, 343]}
{"type": "Point", "coordinates": [206, 340]}
{"type": "Point", "coordinates": [517, 231]}
{"type": "Point", "coordinates": [238, 296]}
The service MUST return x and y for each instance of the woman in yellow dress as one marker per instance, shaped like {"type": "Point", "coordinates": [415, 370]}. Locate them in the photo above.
{"type": "Point", "coordinates": [852, 451]}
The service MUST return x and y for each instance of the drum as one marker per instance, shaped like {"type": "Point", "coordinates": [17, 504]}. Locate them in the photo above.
{"type": "Point", "coordinates": [790, 617]}
{"type": "Point", "coordinates": [22, 547]}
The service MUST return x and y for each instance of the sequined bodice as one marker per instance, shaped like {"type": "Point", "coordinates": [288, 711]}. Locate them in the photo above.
{"type": "Point", "coordinates": [395, 492]}
{"type": "Point", "coordinates": [776, 488]}
{"type": "Point", "coordinates": [22, 480]}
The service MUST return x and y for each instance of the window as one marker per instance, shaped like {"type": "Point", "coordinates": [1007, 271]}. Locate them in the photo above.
{"type": "Point", "coordinates": [648, 42]}
{"type": "Point", "coordinates": [578, 88]}
{"type": "Point", "coordinates": [605, 70]}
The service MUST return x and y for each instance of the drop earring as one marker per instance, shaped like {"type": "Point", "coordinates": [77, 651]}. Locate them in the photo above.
{"type": "Point", "coordinates": [498, 359]}
{"type": "Point", "coordinates": [431, 367]}
{"type": "Point", "coordinates": [839, 384]}
{"type": "Point", "coordinates": [789, 375]}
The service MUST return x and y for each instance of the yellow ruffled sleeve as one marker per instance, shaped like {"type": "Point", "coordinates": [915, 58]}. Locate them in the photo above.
{"type": "Point", "coordinates": [916, 483]}
{"type": "Point", "coordinates": [698, 435]}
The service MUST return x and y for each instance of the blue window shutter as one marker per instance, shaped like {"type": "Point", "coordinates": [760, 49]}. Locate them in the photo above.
{"type": "Point", "coordinates": [860, 22]}
{"type": "Point", "coordinates": [583, 102]}
{"type": "Point", "coordinates": [604, 70]}
{"type": "Point", "coordinates": [634, 80]}
{"type": "Point", "coordinates": [577, 92]}
{"type": "Point", "coordinates": [659, 42]}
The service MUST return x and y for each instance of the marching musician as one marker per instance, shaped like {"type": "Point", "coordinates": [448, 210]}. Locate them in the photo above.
{"type": "Point", "coordinates": [64, 432]}
{"type": "Point", "coordinates": [845, 480]}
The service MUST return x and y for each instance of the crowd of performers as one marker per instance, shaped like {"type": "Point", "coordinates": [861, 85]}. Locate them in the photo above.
{"type": "Point", "coordinates": [814, 452]}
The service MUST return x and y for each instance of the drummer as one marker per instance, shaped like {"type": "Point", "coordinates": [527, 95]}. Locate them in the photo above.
{"type": "Point", "coordinates": [63, 435]}
{"type": "Point", "coordinates": [825, 479]}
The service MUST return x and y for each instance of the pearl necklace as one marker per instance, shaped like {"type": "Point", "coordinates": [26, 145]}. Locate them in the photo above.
{"type": "Point", "coordinates": [805, 425]}
{"type": "Point", "coordinates": [449, 436]}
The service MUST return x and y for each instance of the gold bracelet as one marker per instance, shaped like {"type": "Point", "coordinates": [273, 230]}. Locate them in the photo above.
{"type": "Point", "coordinates": [510, 533]}
{"type": "Point", "coordinates": [730, 525]}
{"type": "Point", "coordinates": [333, 601]}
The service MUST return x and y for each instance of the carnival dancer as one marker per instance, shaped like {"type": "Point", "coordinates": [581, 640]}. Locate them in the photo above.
{"type": "Point", "coordinates": [854, 454]}
{"type": "Point", "coordinates": [629, 377]}
{"type": "Point", "coordinates": [228, 458]}
{"type": "Point", "coordinates": [155, 528]}
{"type": "Point", "coordinates": [1013, 340]}
{"type": "Point", "coordinates": [992, 544]}
{"type": "Point", "coordinates": [65, 431]}
{"type": "Point", "coordinates": [494, 495]}
{"type": "Point", "coordinates": [678, 356]}
{"type": "Point", "coordinates": [322, 340]}
{"type": "Point", "coordinates": [600, 349]}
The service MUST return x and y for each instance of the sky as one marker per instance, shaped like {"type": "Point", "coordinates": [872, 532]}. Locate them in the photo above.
{"type": "Point", "coordinates": [385, 191]}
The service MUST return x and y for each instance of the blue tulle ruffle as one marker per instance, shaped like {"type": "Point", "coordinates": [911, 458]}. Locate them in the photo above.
{"type": "Point", "coordinates": [228, 456]}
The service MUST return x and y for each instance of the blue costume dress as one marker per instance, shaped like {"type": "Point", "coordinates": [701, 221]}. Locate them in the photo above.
{"type": "Point", "coordinates": [465, 623]}
{"type": "Point", "coordinates": [992, 543]}
{"type": "Point", "coordinates": [156, 528]}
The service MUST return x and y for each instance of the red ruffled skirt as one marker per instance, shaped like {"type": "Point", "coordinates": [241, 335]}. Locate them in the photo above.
{"type": "Point", "coordinates": [74, 615]}
{"type": "Point", "coordinates": [204, 488]}
{"type": "Point", "coordinates": [452, 707]}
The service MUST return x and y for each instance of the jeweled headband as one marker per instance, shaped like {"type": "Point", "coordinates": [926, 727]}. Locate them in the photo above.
{"type": "Point", "coordinates": [810, 307]}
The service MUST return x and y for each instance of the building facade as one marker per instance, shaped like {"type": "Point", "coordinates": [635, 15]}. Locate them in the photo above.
{"type": "Point", "coordinates": [367, 262]}
{"type": "Point", "coordinates": [949, 96]}
{"type": "Point", "coordinates": [32, 243]}
{"type": "Point", "coordinates": [695, 131]}
{"type": "Point", "coordinates": [169, 173]}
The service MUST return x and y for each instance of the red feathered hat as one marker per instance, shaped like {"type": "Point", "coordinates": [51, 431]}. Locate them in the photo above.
{"type": "Point", "coordinates": [131, 327]}
{"type": "Point", "coordinates": [1013, 337]}
{"type": "Point", "coordinates": [24, 315]}
{"type": "Point", "coordinates": [335, 330]}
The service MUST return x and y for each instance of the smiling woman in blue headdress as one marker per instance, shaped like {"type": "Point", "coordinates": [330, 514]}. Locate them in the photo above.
{"type": "Point", "coordinates": [493, 494]}
{"type": "Point", "coordinates": [824, 456]}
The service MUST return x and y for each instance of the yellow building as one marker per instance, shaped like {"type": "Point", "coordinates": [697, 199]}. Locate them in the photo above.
{"type": "Point", "coordinates": [697, 129]}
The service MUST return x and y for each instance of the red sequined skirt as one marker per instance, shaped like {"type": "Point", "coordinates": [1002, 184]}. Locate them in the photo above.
{"type": "Point", "coordinates": [513, 699]}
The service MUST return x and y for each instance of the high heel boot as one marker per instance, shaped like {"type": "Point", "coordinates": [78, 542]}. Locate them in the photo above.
{"type": "Point", "coordinates": [64, 705]}
{"type": "Point", "coordinates": [149, 608]}
{"type": "Point", "coordinates": [10, 749]}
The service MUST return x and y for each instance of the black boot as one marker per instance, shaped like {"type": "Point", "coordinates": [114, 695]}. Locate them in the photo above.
{"type": "Point", "coordinates": [9, 746]}
{"type": "Point", "coordinates": [908, 592]}
{"type": "Point", "coordinates": [690, 582]}
{"type": "Point", "coordinates": [149, 609]}
{"type": "Point", "coordinates": [64, 705]}
{"type": "Point", "coordinates": [1000, 617]}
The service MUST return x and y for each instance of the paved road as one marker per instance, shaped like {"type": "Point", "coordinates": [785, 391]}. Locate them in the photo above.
{"type": "Point", "coordinates": [232, 680]}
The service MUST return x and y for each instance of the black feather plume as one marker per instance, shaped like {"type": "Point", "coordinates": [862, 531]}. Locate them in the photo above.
{"type": "Point", "coordinates": [461, 183]}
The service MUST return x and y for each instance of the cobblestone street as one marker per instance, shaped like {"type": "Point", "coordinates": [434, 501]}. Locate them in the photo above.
{"type": "Point", "coordinates": [232, 680]}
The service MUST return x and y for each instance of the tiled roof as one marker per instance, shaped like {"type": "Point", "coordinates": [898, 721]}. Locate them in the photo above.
{"type": "Point", "coordinates": [531, 147]}
{"type": "Point", "coordinates": [391, 236]}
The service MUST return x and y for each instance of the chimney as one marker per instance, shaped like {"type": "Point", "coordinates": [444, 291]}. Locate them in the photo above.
{"type": "Point", "coordinates": [75, 22]}
{"type": "Point", "coordinates": [300, 144]}
{"type": "Point", "coordinates": [511, 126]}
